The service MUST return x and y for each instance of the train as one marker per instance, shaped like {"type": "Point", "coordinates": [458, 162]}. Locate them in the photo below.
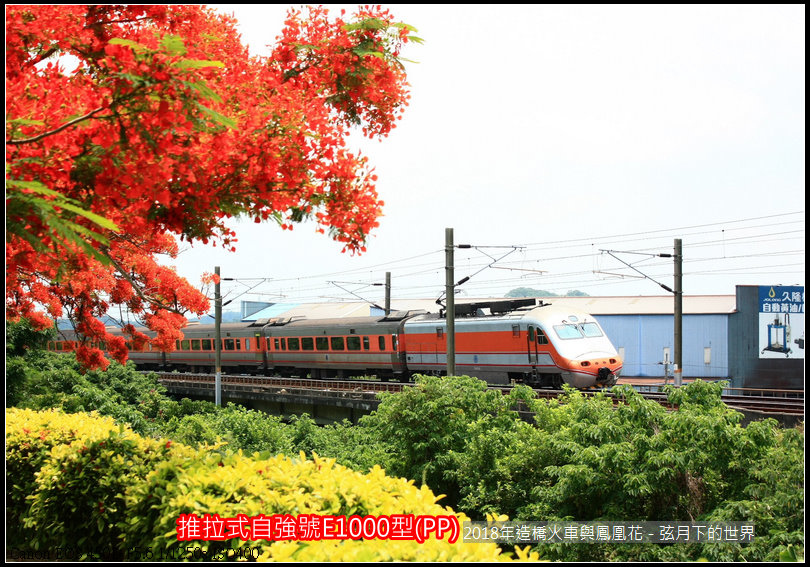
{"type": "Point", "coordinates": [501, 342]}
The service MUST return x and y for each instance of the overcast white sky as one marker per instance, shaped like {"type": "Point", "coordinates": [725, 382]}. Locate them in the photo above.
{"type": "Point", "coordinates": [566, 130]}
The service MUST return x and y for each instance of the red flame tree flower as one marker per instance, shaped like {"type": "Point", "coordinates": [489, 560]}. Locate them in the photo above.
{"type": "Point", "coordinates": [130, 126]}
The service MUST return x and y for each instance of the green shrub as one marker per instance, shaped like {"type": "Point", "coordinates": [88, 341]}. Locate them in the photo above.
{"type": "Point", "coordinates": [100, 485]}
{"type": "Point", "coordinates": [30, 436]}
{"type": "Point", "coordinates": [425, 429]}
{"type": "Point", "coordinates": [82, 465]}
{"type": "Point", "coordinates": [236, 427]}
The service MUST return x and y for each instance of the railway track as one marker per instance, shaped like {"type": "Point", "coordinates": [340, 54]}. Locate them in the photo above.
{"type": "Point", "coordinates": [765, 401]}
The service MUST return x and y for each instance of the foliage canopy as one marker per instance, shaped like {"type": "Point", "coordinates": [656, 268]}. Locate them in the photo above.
{"type": "Point", "coordinates": [129, 126]}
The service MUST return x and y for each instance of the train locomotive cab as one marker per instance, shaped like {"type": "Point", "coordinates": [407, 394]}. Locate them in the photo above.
{"type": "Point", "coordinates": [585, 356]}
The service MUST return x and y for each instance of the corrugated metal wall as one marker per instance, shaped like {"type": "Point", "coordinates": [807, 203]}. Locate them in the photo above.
{"type": "Point", "coordinates": [644, 339]}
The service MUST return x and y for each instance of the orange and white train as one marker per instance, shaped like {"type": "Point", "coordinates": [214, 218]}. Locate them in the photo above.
{"type": "Point", "coordinates": [502, 342]}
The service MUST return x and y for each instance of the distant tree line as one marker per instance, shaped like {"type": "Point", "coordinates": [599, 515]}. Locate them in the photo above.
{"type": "Point", "coordinates": [531, 292]}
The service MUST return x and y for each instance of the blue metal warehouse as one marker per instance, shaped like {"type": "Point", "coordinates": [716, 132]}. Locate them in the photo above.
{"type": "Point", "coordinates": [642, 330]}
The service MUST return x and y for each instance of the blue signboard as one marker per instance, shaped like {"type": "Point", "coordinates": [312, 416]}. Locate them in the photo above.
{"type": "Point", "coordinates": [781, 299]}
{"type": "Point", "coordinates": [781, 321]}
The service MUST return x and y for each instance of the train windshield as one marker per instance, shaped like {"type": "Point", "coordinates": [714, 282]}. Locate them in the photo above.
{"type": "Point", "coordinates": [568, 331]}
{"type": "Point", "coordinates": [571, 331]}
{"type": "Point", "coordinates": [591, 330]}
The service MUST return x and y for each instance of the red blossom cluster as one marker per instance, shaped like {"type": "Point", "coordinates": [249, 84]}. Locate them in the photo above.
{"type": "Point", "coordinates": [129, 126]}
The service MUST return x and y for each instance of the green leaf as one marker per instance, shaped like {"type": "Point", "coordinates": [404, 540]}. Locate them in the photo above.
{"type": "Point", "coordinates": [404, 25]}
{"type": "Point", "coordinates": [32, 186]}
{"type": "Point", "coordinates": [217, 117]}
{"type": "Point", "coordinates": [98, 219]}
{"type": "Point", "coordinates": [174, 45]}
{"type": "Point", "coordinates": [62, 201]}
{"type": "Point", "coordinates": [367, 24]}
{"type": "Point", "coordinates": [20, 204]}
{"type": "Point", "coordinates": [197, 64]}
{"type": "Point", "coordinates": [363, 52]}
{"type": "Point", "coordinates": [129, 43]}
{"type": "Point", "coordinates": [788, 555]}
{"type": "Point", "coordinates": [204, 90]}
{"type": "Point", "coordinates": [26, 122]}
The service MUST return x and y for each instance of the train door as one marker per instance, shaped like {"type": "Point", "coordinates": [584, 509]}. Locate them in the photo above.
{"type": "Point", "coordinates": [261, 346]}
{"type": "Point", "coordinates": [531, 345]}
{"type": "Point", "coordinates": [531, 350]}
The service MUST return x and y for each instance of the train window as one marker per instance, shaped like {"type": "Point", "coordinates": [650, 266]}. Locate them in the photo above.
{"type": "Point", "coordinates": [293, 344]}
{"type": "Point", "coordinates": [366, 345]}
{"type": "Point", "coordinates": [177, 344]}
{"type": "Point", "coordinates": [207, 344]}
{"type": "Point", "coordinates": [515, 330]}
{"type": "Point", "coordinates": [195, 344]}
{"type": "Point", "coordinates": [568, 331]}
{"type": "Point", "coordinates": [353, 343]}
{"type": "Point", "coordinates": [283, 344]}
{"type": "Point", "coordinates": [229, 344]}
{"type": "Point", "coordinates": [591, 329]}
{"type": "Point", "coordinates": [258, 343]}
{"type": "Point", "coordinates": [381, 342]}
{"type": "Point", "coordinates": [337, 343]}
{"type": "Point", "coordinates": [184, 344]}
{"type": "Point", "coordinates": [542, 339]}
{"type": "Point", "coordinates": [531, 333]}
{"type": "Point", "coordinates": [322, 343]}
{"type": "Point", "coordinates": [307, 343]}
{"type": "Point", "coordinates": [439, 332]}
{"type": "Point", "coordinates": [276, 344]}
{"type": "Point", "coordinates": [393, 342]}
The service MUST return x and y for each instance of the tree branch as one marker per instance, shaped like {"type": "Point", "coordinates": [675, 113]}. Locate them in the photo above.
{"type": "Point", "coordinates": [56, 131]}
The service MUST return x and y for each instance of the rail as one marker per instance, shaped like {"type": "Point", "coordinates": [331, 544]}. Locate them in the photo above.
{"type": "Point", "coordinates": [757, 399]}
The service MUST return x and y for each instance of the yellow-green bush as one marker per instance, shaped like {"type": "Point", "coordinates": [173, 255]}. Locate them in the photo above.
{"type": "Point", "coordinates": [91, 482]}
{"type": "Point", "coordinates": [69, 473]}
{"type": "Point", "coordinates": [238, 484]}
{"type": "Point", "coordinates": [30, 436]}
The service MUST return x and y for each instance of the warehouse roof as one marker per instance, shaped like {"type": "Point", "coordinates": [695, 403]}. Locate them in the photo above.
{"type": "Point", "coordinates": [650, 305]}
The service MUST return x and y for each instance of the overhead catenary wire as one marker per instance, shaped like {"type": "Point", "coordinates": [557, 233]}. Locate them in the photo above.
{"type": "Point", "coordinates": [745, 242]}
